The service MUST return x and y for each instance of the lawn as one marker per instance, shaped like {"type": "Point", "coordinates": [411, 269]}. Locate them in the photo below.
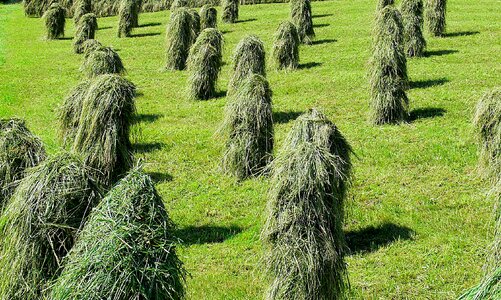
{"type": "Point", "coordinates": [418, 222]}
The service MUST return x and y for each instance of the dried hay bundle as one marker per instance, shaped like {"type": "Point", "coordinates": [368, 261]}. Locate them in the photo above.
{"type": "Point", "coordinates": [302, 18]}
{"type": "Point", "coordinates": [208, 17]}
{"type": "Point", "coordinates": [126, 250]}
{"type": "Point", "coordinates": [285, 51]}
{"type": "Point", "coordinates": [19, 151]}
{"type": "Point", "coordinates": [179, 39]}
{"type": "Point", "coordinates": [230, 11]}
{"type": "Point", "coordinates": [55, 21]}
{"type": "Point", "coordinates": [248, 58]}
{"type": "Point", "coordinates": [40, 223]}
{"type": "Point", "coordinates": [86, 30]}
{"type": "Point", "coordinates": [103, 134]}
{"type": "Point", "coordinates": [204, 64]}
{"type": "Point", "coordinates": [388, 70]}
{"type": "Point", "coordinates": [435, 17]}
{"type": "Point", "coordinates": [304, 227]}
{"type": "Point", "coordinates": [101, 60]}
{"type": "Point", "coordinates": [412, 17]}
{"type": "Point", "coordinates": [248, 125]}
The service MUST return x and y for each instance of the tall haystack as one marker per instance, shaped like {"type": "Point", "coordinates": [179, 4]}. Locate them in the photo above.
{"type": "Point", "coordinates": [126, 250]}
{"type": "Point", "coordinates": [86, 30]}
{"type": "Point", "coordinates": [487, 121]}
{"type": "Point", "coordinates": [127, 17]}
{"type": "Point", "coordinates": [248, 58]}
{"type": "Point", "coordinates": [208, 17]}
{"type": "Point", "coordinates": [40, 223]}
{"type": "Point", "coordinates": [80, 8]}
{"type": "Point", "coordinates": [103, 134]}
{"type": "Point", "coordinates": [230, 11]}
{"type": "Point", "coordinates": [435, 17]}
{"type": "Point", "coordinates": [55, 21]}
{"type": "Point", "coordinates": [412, 17]}
{"type": "Point", "coordinates": [388, 69]}
{"type": "Point", "coordinates": [19, 151]}
{"type": "Point", "coordinates": [204, 64]}
{"type": "Point", "coordinates": [304, 226]}
{"type": "Point", "coordinates": [285, 52]}
{"type": "Point", "coordinates": [101, 60]}
{"type": "Point", "coordinates": [302, 18]}
{"type": "Point", "coordinates": [179, 38]}
{"type": "Point", "coordinates": [248, 126]}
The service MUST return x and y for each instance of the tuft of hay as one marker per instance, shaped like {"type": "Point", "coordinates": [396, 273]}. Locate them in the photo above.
{"type": "Point", "coordinates": [302, 18]}
{"type": "Point", "coordinates": [178, 39]}
{"type": "Point", "coordinates": [412, 17]}
{"type": "Point", "coordinates": [230, 11]}
{"type": "Point", "coordinates": [195, 25]}
{"type": "Point", "coordinates": [55, 21]}
{"type": "Point", "coordinates": [487, 121]}
{"type": "Point", "coordinates": [304, 226]}
{"type": "Point", "coordinates": [69, 114]}
{"type": "Point", "coordinates": [102, 60]}
{"type": "Point", "coordinates": [248, 124]}
{"type": "Point", "coordinates": [383, 3]}
{"type": "Point", "coordinates": [126, 250]}
{"type": "Point", "coordinates": [86, 30]}
{"type": "Point", "coordinates": [40, 224]}
{"type": "Point", "coordinates": [19, 151]}
{"type": "Point", "coordinates": [81, 7]}
{"type": "Point", "coordinates": [208, 17]}
{"type": "Point", "coordinates": [248, 58]}
{"type": "Point", "coordinates": [178, 4]}
{"type": "Point", "coordinates": [285, 52]}
{"type": "Point", "coordinates": [435, 17]}
{"type": "Point", "coordinates": [388, 69]}
{"type": "Point", "coordinates": [103, 134]}
{"type": "Point", "coordinates": [204, 64]}
{"type": "Point", "coordinates": [127, 17]}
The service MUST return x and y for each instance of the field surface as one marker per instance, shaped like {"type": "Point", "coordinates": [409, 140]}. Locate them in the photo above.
{"type": "Point", "coordinates": [418, 222]}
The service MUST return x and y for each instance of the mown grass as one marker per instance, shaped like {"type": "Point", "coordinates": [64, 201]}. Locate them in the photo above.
{"type": "Point", "coordinates": [418, 222]}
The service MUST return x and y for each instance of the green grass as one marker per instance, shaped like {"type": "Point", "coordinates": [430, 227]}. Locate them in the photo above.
{"type": "Point", "coordinates": [418, 180]}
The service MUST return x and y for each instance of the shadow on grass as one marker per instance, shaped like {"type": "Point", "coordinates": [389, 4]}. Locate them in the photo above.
{"type": "Point", "coordinates": [372, 238]}
{"type": "Point", "coordinates": [220, 94]}
{"type": "Point", "coordinates": [322, 16]}
{"type": "Point", "coordinates": [193, 235]}
{"type": "Point", "coordinates": [247, 20]}
{"type": "Point", "coordinates": [147, 118]}
{"type": "Point", "coordinates": [282, 117]}
{"type": "Point", "coordinates": [461, 33]}
{"type": "Point", "coordinates": [104, 27]}
{"type": "Point", "coordinates": [439, 52]}
{"type": "Point", "coordinates": [158, 177]}
{"type": "Point", "coordinates": [320, 25]}
{"type": "Point", "coordinates": [422, 84]}
{"type": "Point", "coordinates": [147, 147]}
{"type": "Point", "coordinates": [152, 24]}
{"type": "Point", "coordinates": [326, 41]}
{"type": "Point", "coordinates": [426, 113]}
{"type": "Point", "coordinates": [66, 38]}
{"type": "Point", "coordinates": [309, 65]}
{"type": "Point", "coordinates": [138, 35]}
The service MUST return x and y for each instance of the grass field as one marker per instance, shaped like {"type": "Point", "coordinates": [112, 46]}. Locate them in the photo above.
{"type": "Point", "coordinates": [418, 222]}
